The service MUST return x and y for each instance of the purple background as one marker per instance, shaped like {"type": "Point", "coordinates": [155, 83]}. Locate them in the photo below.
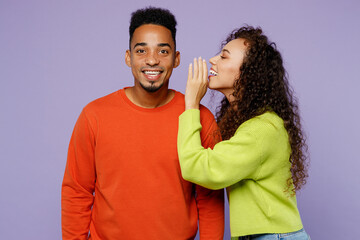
{"type": "Point", "coordinates": [56, 56]}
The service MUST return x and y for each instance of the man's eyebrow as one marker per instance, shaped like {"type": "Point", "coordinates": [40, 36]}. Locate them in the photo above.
{"type": "Point", "coordinates": [164, 45]}
{"type": "Point", "coordinates": [142, 44]}
{"type": "Point", "coordinates": [225, 50]}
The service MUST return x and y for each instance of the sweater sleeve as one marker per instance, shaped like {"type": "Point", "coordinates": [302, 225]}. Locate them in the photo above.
{"type": "Point", "coordinates": [78, 183]}
{"type": "Point", "coordinates": [210, 203]}
{"type": "Point", "coordinates": [227, 163]}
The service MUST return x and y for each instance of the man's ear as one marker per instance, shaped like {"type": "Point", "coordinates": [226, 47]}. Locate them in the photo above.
{"type": "Point", "coordinates": [128, 58]}
{"type": "Point", "coordinates": [177, 59]}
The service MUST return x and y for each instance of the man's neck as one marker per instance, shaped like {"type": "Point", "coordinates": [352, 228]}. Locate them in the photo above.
{"type": "Point", "coordinates": [145, 99]}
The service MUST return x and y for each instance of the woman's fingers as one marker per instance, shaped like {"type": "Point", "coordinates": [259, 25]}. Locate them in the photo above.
{"type": "Point", "coordinates": [197, 83]}
{"type": "Point", "coordinates": [190, 73]}
{"type": "Point", "coordinates": [196, 69]}
{"type": "Point", "coordinates": [200, 74]}
{"type": "Point", "coordinates": [200, 70]}
{"type": "Point", "coordinates": [205, 71]}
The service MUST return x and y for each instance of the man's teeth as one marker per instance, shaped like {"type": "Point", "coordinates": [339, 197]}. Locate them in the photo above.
{"type": "Point", "coordinates": [152, 72]}
{"type": "Point", "coordinates": [212, 72]}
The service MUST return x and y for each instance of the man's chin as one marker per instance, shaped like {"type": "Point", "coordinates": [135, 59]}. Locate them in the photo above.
{"type": "Point", "coordinates": [151, 88]}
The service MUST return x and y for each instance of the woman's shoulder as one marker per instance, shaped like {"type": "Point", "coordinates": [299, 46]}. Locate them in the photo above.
{"type": "Point", "coordinates": [266, 123]}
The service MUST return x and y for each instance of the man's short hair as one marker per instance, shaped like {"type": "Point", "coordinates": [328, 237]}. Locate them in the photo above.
{"type": "Point", "coordinates": [152, 15]}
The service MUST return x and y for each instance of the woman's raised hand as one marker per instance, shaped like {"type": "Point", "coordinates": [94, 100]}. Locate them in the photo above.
{"type": "Point", "coordinates": [197, 84]}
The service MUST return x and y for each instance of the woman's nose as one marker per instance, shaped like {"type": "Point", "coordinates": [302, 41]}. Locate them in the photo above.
{"type": "Point", "coordinates": [213, 60]}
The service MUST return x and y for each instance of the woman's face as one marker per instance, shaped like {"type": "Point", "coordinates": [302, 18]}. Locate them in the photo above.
{"type": "Point", "coordinates": [225, 67]}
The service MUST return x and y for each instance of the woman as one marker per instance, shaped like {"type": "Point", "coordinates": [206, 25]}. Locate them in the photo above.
{"type": "Point", "coordinates": [261, 160]}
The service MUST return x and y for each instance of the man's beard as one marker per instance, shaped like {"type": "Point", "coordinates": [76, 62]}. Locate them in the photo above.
{"type": "Point", "coordinates": [152, 87]}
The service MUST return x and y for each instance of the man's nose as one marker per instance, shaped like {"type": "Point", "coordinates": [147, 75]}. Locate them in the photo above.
{"type": "Point", "coordinates": [152, 59]}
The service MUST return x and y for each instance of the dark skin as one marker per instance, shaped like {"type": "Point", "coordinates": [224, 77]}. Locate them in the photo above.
{"type": "Point", "coordinates": [152, 58]}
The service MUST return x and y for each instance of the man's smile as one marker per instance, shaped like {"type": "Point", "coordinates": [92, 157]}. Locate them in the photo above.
{"type": "Point", "coordinates": [152, 74]}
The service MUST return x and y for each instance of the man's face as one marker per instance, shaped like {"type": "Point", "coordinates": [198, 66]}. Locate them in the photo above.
{"type": "Point", "coordinates": [152, 57]}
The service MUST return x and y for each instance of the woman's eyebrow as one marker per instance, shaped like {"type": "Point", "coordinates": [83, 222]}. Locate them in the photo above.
{"type": "Point", "coordinates": [225, 50]}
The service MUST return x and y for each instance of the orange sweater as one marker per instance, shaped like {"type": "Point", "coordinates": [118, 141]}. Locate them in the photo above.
{"type": "Point", "coordinates": [122, 178]}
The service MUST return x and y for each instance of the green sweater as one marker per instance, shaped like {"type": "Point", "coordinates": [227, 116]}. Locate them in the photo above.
{"type": "Point", "coordinates": [254, 167]}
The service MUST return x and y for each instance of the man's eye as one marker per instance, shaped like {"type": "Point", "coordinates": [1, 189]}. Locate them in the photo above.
{"type": "Point", "coordinates": [140, 51]}
{"type": "Point", "coordinates": [163, 51]}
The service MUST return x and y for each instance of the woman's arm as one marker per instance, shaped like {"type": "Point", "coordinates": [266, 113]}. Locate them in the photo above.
{"type": "Point", "coordinates": [228, 163]}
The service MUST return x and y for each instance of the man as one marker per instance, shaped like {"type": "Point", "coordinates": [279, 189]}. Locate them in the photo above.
{"type": "Point", "coordinates": [122, 178]}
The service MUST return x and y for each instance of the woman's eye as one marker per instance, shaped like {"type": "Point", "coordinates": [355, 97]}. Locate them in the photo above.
{"type": "Point", "coordinates": [222, 57]}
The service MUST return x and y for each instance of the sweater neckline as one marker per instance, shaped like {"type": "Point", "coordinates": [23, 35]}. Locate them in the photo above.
{"type": "Point", "coordinates": [123, 96]}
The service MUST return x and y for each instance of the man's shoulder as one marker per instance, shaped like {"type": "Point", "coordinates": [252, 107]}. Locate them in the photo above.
{"type": "Point", "coordinates": [205, 113]}
{"type": "Point", "coordinates": [104, 101]}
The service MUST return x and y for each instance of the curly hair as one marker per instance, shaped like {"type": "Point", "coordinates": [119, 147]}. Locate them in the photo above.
{"type": "Point", "coordinates": [263, 86]}
{"type": "Point", "coordinates": [153, 15]}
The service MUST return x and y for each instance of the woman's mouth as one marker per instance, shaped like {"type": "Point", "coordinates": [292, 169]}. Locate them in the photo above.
{"type": "Point", "coordinates": [212, 72]}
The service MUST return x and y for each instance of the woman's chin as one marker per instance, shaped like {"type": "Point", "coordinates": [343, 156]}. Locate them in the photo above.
{"type": "Point", "coordinates": [212, 87]}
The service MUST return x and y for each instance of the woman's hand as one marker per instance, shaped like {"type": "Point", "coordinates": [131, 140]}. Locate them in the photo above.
{"type": "Point", "coordinates": [197, 84]}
